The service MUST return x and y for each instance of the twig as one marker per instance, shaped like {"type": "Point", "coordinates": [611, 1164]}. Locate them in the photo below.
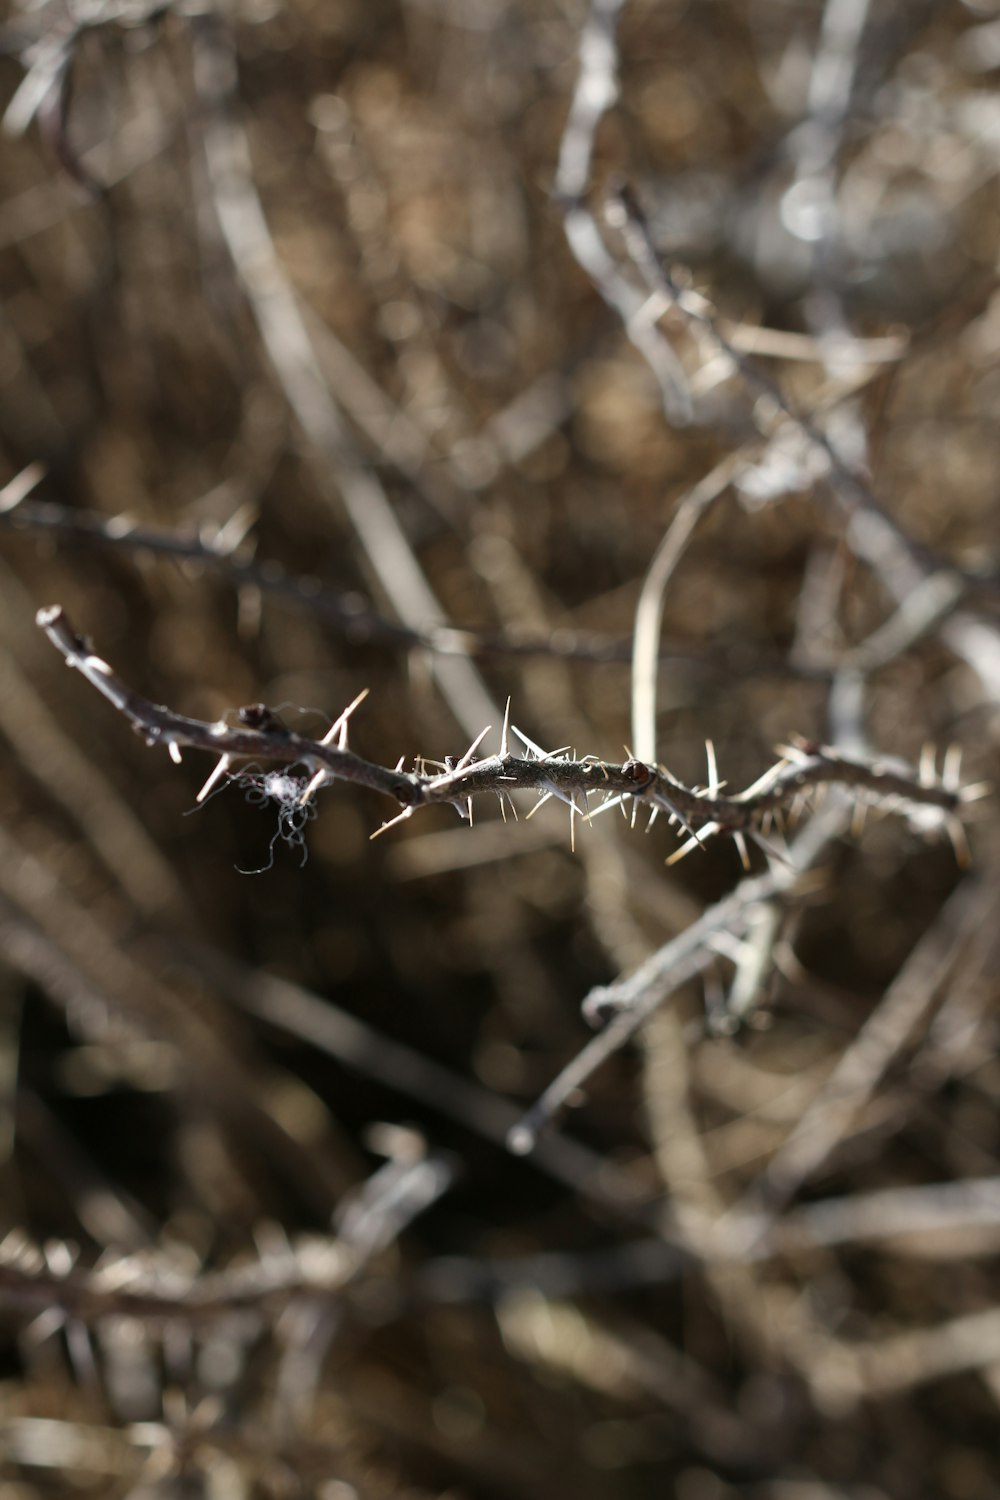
{"type": "Point", "coordinates": [630, 1002]}
{"type": "Point", "coordinates": [547, 774]}
{"type": "Point", "coordinates": [946, 1217]}
{"type": "Point", "coordinates": [649, 609]}
{"type": "Point", "coordinates": [337, 467]}
{"type": "Point", "coordinates": [346, 610]}
{"type": "Point", "coordinates": [901, 567]}
{"type": "Point", "coordinates": [880, 1040]}
{"type": "Point", "coordinates": [595, 93]}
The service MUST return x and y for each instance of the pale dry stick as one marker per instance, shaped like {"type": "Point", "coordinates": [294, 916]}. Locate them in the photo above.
{"type": "Point", "coordinates": [957, 1043]}
{"type": "Point", "coordinates": [919, 614]}
{"type": "Point", "coordinates": [941, 1208]}
{"type": "Point", "coordinates": [755, 963]}
{"type": "Point", "coordinates": [106, 990]}
{"type": "Point", "coordinates": [597, 1351]}
{"type": "Point", "coordinates": [871, 533]}
{"type": "Point", "coordinates": [630, 1002]}
{"type": "Point", "coordinates": [649, 609]}
{"type": "Point", "coordinates": [344, 147]}
{"type": "Point", "coordinates": [110, 162]}
{"type": "Point", "coordinates": [595, 94]}
{"type": "Point", "coordinates": [809, 204]}
{"type": "Point", "coordinates": [849, 1373]}
{"type": "Point", "coordinates": [373, 1217]}
{"type": "Point", "coordinates": [88, 1450]}
{"type": "Point", "coordinates": [782, 343]}
{"type": "Point", "coordinates": [155, 1286]}
{"type": "Point", "coordinates": [338, 469]}
{"type": "Point", "coordinates": [354, 1044]}
{"type": "Point", "coordinates": [963, 921]}
{"type": "Point", "coordinates": [753, 1308]}
{"type": "Point", "coordinates": [346, 611]}
{"type": "Point", "coordinates": [49, 755]}
{"type": "Point", "coordinates": [549, 774]}
{"type": "Point", "coordinates": [945, 1221]}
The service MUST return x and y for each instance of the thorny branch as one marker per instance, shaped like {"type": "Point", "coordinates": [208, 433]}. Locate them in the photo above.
{"type": "Point", "coordinates": [929, 800]}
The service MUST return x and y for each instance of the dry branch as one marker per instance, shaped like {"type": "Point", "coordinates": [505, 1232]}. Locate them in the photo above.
{"type": "Point", "coordinates": [922, 795]}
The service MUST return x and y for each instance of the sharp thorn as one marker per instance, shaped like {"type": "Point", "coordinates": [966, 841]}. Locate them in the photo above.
{"type": "Point", "coordinates": [543, 798]}
{"type": "Point", "coordinates": [951, 772]}
{"type": "Point", "coordinates": [338, 729]}
{"type": "Point", "coordinates": [927, 771]}
{"type": "Point", "coordinates": [467, 757]}
{"type": "Point", "coordinates": [225, 761]}
{"type": "Point", "coordinates": [505, 732]}
{"type": "Point", "coordinates": [713, 769]}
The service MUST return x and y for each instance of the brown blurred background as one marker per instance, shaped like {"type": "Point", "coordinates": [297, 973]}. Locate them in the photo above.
{"type": "Point", "coordinates": [289, 280]}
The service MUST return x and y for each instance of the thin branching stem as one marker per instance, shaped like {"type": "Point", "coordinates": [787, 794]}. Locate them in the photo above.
{"type": "Point", "coordinates": [261, 737]}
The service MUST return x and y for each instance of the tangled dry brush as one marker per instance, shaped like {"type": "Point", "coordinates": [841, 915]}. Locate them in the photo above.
{"type": "Point", "coordinates": [599, 401]}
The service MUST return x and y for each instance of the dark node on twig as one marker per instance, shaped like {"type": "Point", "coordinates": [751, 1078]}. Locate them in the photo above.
{"type": "Point", "coordinates": [259, 716]}
{"type": "Point", "coordinates": [638, 772]}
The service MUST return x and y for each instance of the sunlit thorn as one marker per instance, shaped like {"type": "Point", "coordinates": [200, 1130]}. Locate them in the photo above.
{"type": "Point", "coordinates": [512, 805]}
{"type": "Point", "coordinates": [21, 486]}
{"type": "Point", "coordinates": [503, 809]}
{"type": "Point", "coordinates": [951, 772]}
{"type": "Point", "coordinates": [543, 798]}
{"type": "Point", "coordinates": [536, 750]}
{"type": "Point", "coordinates": [400, 817]}
{"type": "Point", "coordinates": [314, 785]}
{"type": "Point", "coordinates": [635, 813]}
{"type": "Point", "coordinates": [505, 732]}
{"type": "Point", "coordinates": [927, 772]}
{"type": "Point", "coordinates": [713, 769]}
{"type": "Point", "coordinates": [696, 841]}
{"type": "Point", "coordinates": [744, 853]}
{"type": "Point", "coordinates": [611, 800]}
{"type": "Point", "coordinates": [174, 751]}
{"type": "Point", "coordinates": [976, 791]}
{"type": "Point", "coordinates": [216, 776]}
{"type": "Point", "coordinates": [654, 813]}
{"type": "Point", "coordinates": [469, 806]}
{"type": "Point", "coordinates": [401, 762]}
{"type": "Point", "coordinates": [467, 757]}
{"type": "Point", "coordinates": [681, 853]}
{"type": "Point", "coordinates": [959, 842]}
{"type": "Point", "coordinates": [338, 729]}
